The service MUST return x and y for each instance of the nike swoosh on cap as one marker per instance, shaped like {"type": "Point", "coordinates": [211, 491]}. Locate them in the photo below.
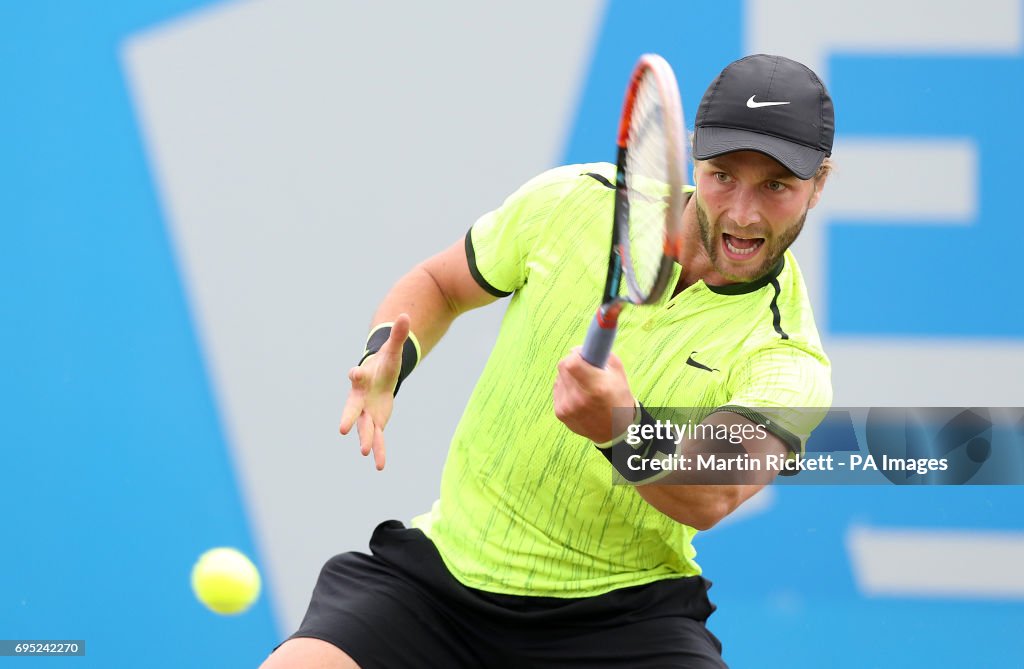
{"type": "Point", "coordinates": [755, 105]}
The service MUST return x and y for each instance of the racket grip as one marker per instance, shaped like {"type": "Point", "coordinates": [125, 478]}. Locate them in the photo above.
{"type": "Point", "coordinates": [598, 344]}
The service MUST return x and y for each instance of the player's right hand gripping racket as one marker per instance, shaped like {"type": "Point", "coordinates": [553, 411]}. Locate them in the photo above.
{"type": "Point", "coordinates": [649, 200]}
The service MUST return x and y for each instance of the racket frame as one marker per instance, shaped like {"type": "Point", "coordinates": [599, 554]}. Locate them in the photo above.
{"type": "Point", "coordinates": [601, 334]}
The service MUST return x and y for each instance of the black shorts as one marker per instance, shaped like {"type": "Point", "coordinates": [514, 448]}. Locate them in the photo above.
{"type": "Point", "coordinates": [401, 607]}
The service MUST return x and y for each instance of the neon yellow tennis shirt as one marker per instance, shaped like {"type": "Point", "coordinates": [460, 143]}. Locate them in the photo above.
{"type": "Point", "coordinates": [528, 507]}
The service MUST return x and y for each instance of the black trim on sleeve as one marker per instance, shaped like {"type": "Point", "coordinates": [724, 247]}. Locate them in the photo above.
{"type": "Point", "coordinates": [601, 179]}
{"type": "Point", "coordinates": [776, 314]}
{"type": "Point", "coordinates": [791, 441]}
{"type": "Point", "coordinates": [475, 271]}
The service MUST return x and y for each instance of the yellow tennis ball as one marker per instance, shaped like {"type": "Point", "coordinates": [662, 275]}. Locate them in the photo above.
{"type": "Point", "coordinates": [225, 580]}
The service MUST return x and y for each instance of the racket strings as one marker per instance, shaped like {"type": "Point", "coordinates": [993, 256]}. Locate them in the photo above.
{"type": "Point", "coordinates": [647, 179]}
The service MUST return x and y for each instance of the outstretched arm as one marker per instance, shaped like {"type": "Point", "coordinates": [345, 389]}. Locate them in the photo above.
{"type": "Point", "coordinates": [425, 301]}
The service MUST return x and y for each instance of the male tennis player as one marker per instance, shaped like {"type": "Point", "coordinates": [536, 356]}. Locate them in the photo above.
{"type": "Point", "coordinates": [532, 557]}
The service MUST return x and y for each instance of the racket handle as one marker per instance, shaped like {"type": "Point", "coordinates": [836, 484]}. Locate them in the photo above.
{"type": "Point", "coordinates": [600, 337]}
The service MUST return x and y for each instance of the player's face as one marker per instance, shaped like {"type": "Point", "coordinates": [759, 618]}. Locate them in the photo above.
{"type": "Point", "coordinates": [750, 209]}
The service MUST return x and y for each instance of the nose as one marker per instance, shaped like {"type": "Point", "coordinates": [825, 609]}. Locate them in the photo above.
{"type": "Point", "coordinates": [744, 208]}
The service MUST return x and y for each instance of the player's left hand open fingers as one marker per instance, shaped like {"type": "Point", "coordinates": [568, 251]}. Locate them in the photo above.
{"type": "Point", "coordinates": [399, 332]}
{"type": "Point", "coordinates": [390, 354]}
{"type": "Point", "coordinates": [354, 403]}
{"type": "Point", "coordinates": [378, 448]}
{"type": "Point", "coordinates": [366, 432]}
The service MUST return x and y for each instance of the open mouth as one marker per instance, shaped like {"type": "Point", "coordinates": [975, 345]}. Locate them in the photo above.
{"type": "Point", "coordinates": [740, 248]}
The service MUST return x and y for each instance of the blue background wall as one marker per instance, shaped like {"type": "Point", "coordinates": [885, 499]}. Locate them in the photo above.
{"type": "Point", "coordinates": [115, 470]}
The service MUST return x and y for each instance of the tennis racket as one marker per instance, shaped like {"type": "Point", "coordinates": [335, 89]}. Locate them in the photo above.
{"type": "Point", "coordinates": [649, 200]}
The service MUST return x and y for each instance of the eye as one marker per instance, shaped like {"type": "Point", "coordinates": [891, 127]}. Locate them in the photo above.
{"type": "Point", "coordinates": [721, 177]}
{"type": "Point", "coordinates": [776, 186]}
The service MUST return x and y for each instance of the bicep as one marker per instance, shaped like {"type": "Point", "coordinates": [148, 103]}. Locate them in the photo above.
{"type": "Point", "coordinates": [450, 271]}
{"type": "Point", "coordinates": [785, 387]}
{"type": "Point", "coordinates": [490, 261]}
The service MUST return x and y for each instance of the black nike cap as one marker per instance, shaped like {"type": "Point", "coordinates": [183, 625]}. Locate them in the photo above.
{"type": "Point", "coordinates": [769, 104]}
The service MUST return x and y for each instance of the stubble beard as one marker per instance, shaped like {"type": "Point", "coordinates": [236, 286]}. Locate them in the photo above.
{"type": "Point", "coordinates": [772, 249]}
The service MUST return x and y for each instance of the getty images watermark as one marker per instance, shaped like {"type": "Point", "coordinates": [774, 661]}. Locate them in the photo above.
{"type": "Point", "coordinates": [841, 446]}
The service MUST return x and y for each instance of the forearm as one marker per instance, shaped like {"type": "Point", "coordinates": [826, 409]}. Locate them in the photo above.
{"type": "Point", "coordinates": [433, 294]}
{"type": "Point", "coordinates": [644, 455]}
{"type": "Point", "coordinates": [699, 506]}
{"type": "Point", "coordinates": [418, 295]}
{"type": "Point", "coordinates": [700, 498]}
{"type": "Point", "coordinates": [697, 494]}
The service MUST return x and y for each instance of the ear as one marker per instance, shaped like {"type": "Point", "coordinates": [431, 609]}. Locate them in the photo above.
{"type": "Point", "coordinates": [819, 185]}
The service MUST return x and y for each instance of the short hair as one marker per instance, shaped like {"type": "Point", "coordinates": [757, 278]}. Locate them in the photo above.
{"type": "Point", "coordinates": [824, 169]}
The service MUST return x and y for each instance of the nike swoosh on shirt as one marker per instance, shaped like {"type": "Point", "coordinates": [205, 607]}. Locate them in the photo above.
{"type": "Point", "coordinates": [755, 105]}
{"type": "Point", "coordinates": [693, 363]}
